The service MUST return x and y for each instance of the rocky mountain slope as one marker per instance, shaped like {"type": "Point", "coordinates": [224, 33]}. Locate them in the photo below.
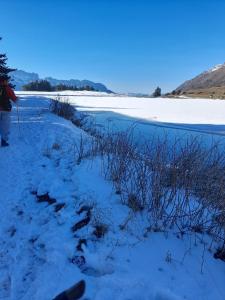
{"type": "Point", "coordinates": [21, 78]}
{"type": "Point", "coordinates": [210, 83]}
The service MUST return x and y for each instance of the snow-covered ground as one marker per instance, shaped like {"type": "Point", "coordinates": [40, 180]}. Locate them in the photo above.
{"type": "Point", "coordinates": [66, 93]}
{"type": "Point", "coordinates": [37, 247]}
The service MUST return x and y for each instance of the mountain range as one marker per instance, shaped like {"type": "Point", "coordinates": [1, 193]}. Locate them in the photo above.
{"type": "Point", "coordinates": [20, 78]}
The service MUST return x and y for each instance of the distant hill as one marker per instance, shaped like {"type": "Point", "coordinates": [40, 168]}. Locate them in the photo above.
{"type": "Point", "coordinates": [20, 78]}
{"type": "Point", "coordinates": [210, 83]}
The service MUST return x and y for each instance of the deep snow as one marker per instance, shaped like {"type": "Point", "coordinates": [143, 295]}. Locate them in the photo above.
{"type": "Point", "coordinates": [37, 244]}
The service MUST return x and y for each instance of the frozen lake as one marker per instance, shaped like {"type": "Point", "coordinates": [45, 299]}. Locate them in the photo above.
{"type": "Point", "coordinates": [202, 118]}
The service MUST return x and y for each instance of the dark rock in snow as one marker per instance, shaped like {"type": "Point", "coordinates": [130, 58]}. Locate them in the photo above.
{"type": "Point", "coordinates": [84, 208]}
{"type": "Point", "coordinates": [46, 198]}
{"type": "Point", "coordinates": [81, 224]}
{"type": "Point", "coordinates": [80, 243]}
{"type": "Point", "coordinates": [59, 206]}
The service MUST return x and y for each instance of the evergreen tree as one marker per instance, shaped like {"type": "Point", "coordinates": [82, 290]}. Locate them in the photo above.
{"type": "Point", "coordinates": [44, 85]}
{"type": "Point", "coordinates": [157, 92]}
{"type": "Point", "coordinates": [64, 87]}
{"type": "Point", "coordinates": [39, 85]}
{"type": "Point", "coordinates": [4, 69]}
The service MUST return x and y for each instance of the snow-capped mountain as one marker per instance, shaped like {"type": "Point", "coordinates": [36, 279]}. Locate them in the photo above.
{"type": "Point", "coordinates": [217, 67]}
{"type": "Point", "coordinates": [21, 78]}
{"type": "Point", "coordinates": [213, 78]}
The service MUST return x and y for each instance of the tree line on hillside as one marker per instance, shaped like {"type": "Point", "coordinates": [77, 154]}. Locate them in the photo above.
{"type": "Point", "coordinates": [45, 86]}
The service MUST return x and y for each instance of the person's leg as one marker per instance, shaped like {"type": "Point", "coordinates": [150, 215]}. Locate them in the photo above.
{"type": "Point", "coordinates": [5, 125]}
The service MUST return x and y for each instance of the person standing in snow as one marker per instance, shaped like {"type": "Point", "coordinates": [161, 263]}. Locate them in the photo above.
{"type": "Point", "coordinates": [6, 94]}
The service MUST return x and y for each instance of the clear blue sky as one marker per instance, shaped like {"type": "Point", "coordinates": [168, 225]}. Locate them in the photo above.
{"type": "Point", "coordinates": [130, 45]}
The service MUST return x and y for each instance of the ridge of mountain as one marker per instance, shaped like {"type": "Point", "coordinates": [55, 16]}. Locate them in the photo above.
{"type": "Point", "coordinates": [20, 78]}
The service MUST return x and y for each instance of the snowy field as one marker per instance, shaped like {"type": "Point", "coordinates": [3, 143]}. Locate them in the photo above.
{"type": "Point", "coordinates": [37, 247]}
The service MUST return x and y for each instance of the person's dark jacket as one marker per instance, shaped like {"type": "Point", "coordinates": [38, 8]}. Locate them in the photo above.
{"type": "Point", "coordinates": [8, 94]}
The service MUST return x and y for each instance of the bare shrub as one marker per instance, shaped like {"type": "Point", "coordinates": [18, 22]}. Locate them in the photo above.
{"type": "Point", "coordinates": [81, 149]}
{"type": "Point", "coordinates": [179, 184]}
{"type": "Point", "coordinates": [62, 108]}
{"type": "Point", "coordinates": [134, 203]}
{"type": "Point", "coordinates": [56, 146]}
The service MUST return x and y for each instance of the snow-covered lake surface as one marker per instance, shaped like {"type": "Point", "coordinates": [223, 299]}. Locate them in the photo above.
{"type": "Point", "coordinates": [151, 115]}
{"type": "Point", "coordinates": [37, 246]}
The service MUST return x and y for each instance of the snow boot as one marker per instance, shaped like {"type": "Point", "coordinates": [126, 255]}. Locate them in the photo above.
{"type": "Point", "coordinates": [4, 143]}
{"type": "Point", "coordinates": [73, 293]}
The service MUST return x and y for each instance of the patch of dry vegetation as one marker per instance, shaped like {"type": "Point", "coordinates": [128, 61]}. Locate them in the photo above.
{"type": "Point", "coordinates": [179, 185]}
